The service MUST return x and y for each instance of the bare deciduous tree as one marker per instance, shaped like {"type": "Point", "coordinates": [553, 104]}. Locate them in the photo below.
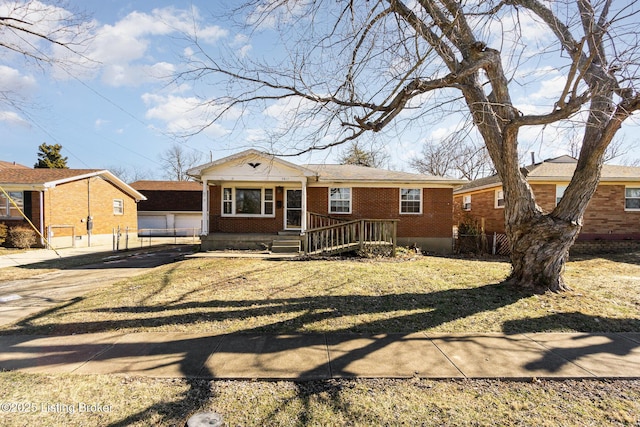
{"type": "Point", "coordinates": [176, 161]}
{"type": "Point", "coordinates": [356, 67]}
{"type": "Point", "coordinates": [453, 156]}
{"type": "Point", "coordinates": [42, 34]}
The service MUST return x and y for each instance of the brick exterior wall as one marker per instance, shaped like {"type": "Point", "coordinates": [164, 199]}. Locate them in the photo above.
{"type": "Point", "coordinates": [384, 203]}
{"type": "Point", "coordinates": [220, 224]}
{"type": "Point", "coordinates": [31, 209]}
{"type": "Point", "coordinates": [482, 206]}
{"type": "Point", "coordinates": [373, 203]}
{"type": "Point", "coordinates": [604, 219]}
{"type": "Point", "coordinates": [68, 204]}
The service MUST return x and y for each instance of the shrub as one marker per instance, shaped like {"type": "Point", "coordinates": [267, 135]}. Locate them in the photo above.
{"type": "Point", "coordinates": [3, 233]}
{"type": "Point", "coordinates": [22, 237]}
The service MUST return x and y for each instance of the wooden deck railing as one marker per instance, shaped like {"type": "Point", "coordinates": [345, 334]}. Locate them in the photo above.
{"type": "Point", "coordinates": [346, 236]}
{"type": "Point", "coordinates": [316, 220]}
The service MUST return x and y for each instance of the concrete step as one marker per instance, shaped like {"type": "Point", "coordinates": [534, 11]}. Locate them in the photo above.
{"type": "Point", "coordinates": [286, 246]}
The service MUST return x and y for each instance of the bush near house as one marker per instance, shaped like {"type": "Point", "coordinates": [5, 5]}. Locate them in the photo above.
{"type": "Point", "coordinates": [3, 233]}
{"type": "Point", "coordinates": [22, 237]}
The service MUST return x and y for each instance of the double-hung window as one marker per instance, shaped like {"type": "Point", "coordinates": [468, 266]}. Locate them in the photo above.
{"type": "Point", "coordinates": [8, 209]}
{"type": "Point", "coordinates": [632, 198]}
{"type": "Point", "coordinates": [499, 199]}
{"type": "Point", "coordinates": [118, 207]}
{"type": "Point", "coordinates": [340, 200]}
{"type": "Point", "coordinates": [239, 201]}
{"type": "Point", "coordinates": [410, 200]}
{"type": "Point", "coordinates": [466, 202]}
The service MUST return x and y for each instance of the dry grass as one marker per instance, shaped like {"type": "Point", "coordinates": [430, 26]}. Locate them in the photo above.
{"type": "Point", "coordinates": [429, 294]}
{"type": "Point", "coordinates": [158, 402]}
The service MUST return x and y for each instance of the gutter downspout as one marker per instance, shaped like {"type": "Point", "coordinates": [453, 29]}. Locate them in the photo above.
{"type": "Point", "coordinates": [41, 193]}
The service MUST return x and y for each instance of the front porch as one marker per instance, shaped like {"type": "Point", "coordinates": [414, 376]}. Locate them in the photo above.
{"type": "Point", "coordinates": [327, 236]}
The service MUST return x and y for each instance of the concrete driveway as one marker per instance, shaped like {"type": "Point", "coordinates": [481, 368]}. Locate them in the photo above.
{"type": "Point", "coordinates": [22, 298]}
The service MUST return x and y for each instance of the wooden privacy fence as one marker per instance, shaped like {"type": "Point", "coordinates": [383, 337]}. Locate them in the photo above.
{"type": "Point", "coordinates": [351, 235]}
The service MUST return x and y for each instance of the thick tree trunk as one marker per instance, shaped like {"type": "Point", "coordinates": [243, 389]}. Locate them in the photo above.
{"type": "Point", "coordinates": [539, 251]}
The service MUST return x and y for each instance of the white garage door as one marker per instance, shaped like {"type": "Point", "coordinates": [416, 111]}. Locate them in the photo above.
{"type": "Point", "coordinates": [154, 222]}
{"type": "Point", "coordinates": [188, 224]}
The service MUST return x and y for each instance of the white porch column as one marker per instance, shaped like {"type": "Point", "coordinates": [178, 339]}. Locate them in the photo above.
{"type": "Point", "coordinates": [205, 207]}
{"type": "Point", "coordinates": [303, 224]}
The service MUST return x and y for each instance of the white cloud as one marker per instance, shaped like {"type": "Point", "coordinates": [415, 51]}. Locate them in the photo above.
{"type": "Point", "coordinates": [11, 80]}
{"type": "Point", "coordinates": [99, 123]}
{"type": "Point", "coordinates": [124, 51]}
{"type": "Point", "coordinates": [13, 119]}
{"type": "Point", "coordinates": [135, 75]}
{"type": "Point", "coordinates": [187, 114]}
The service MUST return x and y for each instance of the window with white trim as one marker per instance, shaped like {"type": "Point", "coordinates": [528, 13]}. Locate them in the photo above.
{"type": "Point", "coordinates": [340, 200]}
{"type": "Point", "coordinates": [632, 198]}
{"type": "Point", "coordinates": [118, 207]}
{"type": "Point", "coordinates": [241, 201]}
{"type": "Point", "coordinates": [8, 209]}
{"type": "Point", "coordinates": [410, 200]}
{"type": "Point", "coordinates": [466, 202]}
{"type": "Point", "coordinates": [560, 189]}
{"type": "Point", "coordinates": [499, 199]}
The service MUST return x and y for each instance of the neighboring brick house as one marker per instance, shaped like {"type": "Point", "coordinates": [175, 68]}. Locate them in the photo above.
{"type": "Point", "coordinates": [63, 203]}
{"type": "Point", "coordinates": [255, 193]}
{"type": "Point", "coordinates": [172, 208]}
{"type": "Point", "coordinates": [612, 219]}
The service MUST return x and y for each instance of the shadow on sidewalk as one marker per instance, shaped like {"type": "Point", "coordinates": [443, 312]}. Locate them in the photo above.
{"type": "Point", "coordinates": [579, 346]}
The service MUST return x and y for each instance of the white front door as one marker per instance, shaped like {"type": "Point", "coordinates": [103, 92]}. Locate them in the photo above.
{"type": "Point", "coordinates": [293, 210]}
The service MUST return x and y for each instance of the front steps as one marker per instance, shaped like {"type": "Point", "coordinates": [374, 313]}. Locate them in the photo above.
{"type": "Point", "coordinates": [286, 246]}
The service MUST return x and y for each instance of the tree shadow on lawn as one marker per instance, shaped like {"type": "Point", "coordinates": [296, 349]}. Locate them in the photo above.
{"type": "Point", "coordinates": [189, 355]}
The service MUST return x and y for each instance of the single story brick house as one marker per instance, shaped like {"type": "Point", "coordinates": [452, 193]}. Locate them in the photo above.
{"type": "Point", "coordinates": [611, 221]}
{"type": "Point", "coordinates": [249, 197]}
{"type": "Point", "coordinates": [71, 207]}
{"type": "Point", "coordinates": [172, 208]}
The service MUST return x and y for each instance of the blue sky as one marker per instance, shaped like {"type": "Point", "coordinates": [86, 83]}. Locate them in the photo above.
{"type": "Point", "coordinates": [120, 110]}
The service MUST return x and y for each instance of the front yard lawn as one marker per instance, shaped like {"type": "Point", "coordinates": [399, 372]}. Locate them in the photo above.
{"type": "Point", "coordinates": [432, 294]}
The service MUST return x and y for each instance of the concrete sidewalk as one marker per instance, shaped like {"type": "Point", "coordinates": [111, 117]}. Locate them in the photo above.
{"type": "Point", "coordinates": [325, 356]}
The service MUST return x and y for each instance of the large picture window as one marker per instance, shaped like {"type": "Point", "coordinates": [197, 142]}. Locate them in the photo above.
{"type": "Point", "coordinates": [8, 209]}
{"type": "Point", "coordinates": [632, 198]}
{"type": "Point", "coordinates": [410, 200]}
{"type": "Point", "coordinates": [340, 200]}
{"type": "Point", "coordinates": [247, 201]}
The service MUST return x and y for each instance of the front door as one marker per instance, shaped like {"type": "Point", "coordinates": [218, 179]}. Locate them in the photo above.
{"type": "Point", "coordinates": [293, 210]}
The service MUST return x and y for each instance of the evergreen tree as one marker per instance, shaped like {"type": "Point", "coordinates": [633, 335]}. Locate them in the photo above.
{"type": "Point", "coordinates": [49, 157]}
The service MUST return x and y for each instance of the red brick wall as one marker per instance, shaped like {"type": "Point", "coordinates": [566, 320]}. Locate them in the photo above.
{"type": "Point", "coordinates": [482, 206]}
{"type": "Point", "coordinates": [605, 217]}
{"type": "Point", "coordinates": [384, 203]}
{"type": "Point", "coordinates": [68, 204]}
{"type": "Point", "coordinates": [372, 203]}
{"type": "Point", "coordinates": [220, 224]}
